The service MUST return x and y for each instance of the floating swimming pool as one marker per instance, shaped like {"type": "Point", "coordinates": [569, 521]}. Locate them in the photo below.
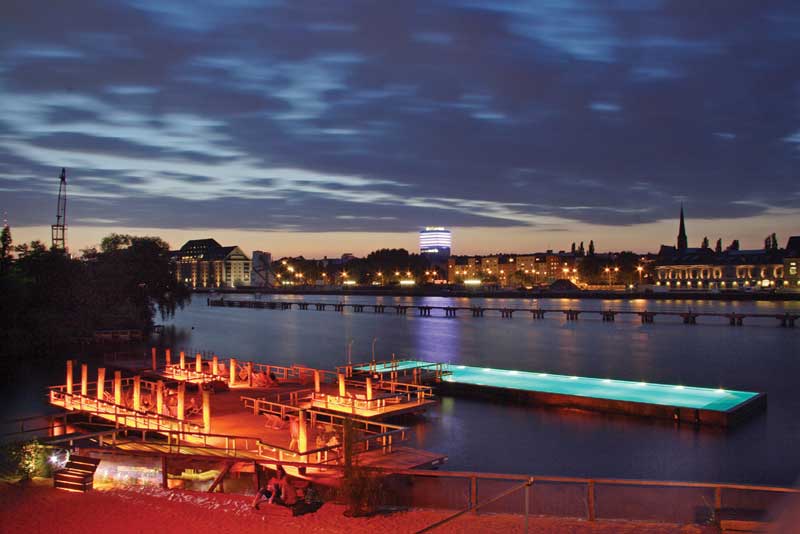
{"type": "Point", "coordinates": [722, 407]}
{"type": "Point", "coordinates": [621, 390]}
{"type": "Point", "coordinates": [715, 406]}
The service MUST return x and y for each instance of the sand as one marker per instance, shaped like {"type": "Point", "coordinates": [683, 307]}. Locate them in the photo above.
{"type": "Point", "coordinates": [37, 507]}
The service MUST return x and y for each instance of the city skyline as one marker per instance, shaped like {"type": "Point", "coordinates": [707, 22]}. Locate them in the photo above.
{"type": "Point", "coordinates": [296, 128]}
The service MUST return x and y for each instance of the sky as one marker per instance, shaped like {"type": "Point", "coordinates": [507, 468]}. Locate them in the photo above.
{"type": "Point", "coordinates": [319, 128]}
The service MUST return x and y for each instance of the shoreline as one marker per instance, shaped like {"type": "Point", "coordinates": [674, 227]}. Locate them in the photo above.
{"type": "Point", "coordinates": [38, 507]}
{"type": "Point", "coordinates": [512, 294]}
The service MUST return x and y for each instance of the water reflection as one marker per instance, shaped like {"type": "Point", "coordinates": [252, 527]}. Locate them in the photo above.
{"type": "Point", "coordinates": [498, 437]}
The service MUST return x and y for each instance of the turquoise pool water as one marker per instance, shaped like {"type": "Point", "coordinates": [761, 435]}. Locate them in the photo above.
{"type": "Point", "coordinates": [664, 394]}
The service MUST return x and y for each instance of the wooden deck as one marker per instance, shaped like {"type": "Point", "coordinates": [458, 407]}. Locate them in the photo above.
{"type": "Point", "coordinates": [232, 428]}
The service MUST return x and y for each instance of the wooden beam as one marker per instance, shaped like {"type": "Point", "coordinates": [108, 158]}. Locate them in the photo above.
{"type": "Point", "coordinates": [69, 377]}
{"type": "Point", "coordinates": [101, 382]}
{"type": "Point", "coordinates": [232, 372]}
{"type": "Point", "coordinates": [220, 476]}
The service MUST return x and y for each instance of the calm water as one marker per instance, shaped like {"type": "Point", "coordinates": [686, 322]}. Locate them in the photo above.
{"type": "Point", "coordinates": [485, 436]}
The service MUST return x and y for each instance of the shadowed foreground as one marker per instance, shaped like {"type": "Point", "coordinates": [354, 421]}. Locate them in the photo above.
{"type": "Point", "coordinates": [38, 507]}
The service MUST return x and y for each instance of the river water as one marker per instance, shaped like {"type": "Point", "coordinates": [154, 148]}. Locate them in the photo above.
{"type": "Point", "coordinates": [497, 437]}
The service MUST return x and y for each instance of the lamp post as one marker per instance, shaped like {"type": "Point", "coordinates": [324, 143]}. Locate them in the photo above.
{"type": "Point", "coordinates": [639, 269]}
{"type": "Point", "coordinates": [350, 351]}
{"type": "Point", "coordinates": [374, 339]}
{"type": "Point", "coordinates": [608, 272]}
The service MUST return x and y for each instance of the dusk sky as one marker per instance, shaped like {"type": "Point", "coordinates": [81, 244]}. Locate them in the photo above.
{"type": "Point", "coordinates": [329, 127]}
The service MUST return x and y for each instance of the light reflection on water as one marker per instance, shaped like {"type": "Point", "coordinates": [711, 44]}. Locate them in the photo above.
{"type": "Point", "coordinates": [498, 437]}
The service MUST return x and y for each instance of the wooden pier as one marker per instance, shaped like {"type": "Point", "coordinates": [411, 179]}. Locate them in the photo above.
{"type": "Point", "coordinates": [248, 410]}
{"type": "Point", "coordinates": [609, 315]}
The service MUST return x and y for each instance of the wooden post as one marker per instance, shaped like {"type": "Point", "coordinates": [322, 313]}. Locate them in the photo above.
{"type": "Point", "coordinates": [198, 363]}
{"type": "Point", "coordinates": [342, 389]}
{"type": "Point", "coordinates": [183, 361]}
{"type": "Point", "coordinates": [369, 388]}
{"type": "Point", "coordinates": [232, 372]}
{"type": "Point", "coordinates": [302, 433]}
{"type": "Point", "coordinates": [101, 382]}
{"type": "Point", "coordinates": [181, 400]}
{"type": "Point", "coordinates": [207, 411]}
{"type": "Point", "coordinates": [137, 392]}
{"type": "Point", "coordinates": [316, 380]}
{"type": "Point", "coordinates": [84, 379]}
{"type": "Point", "coordinates": [250, 374]}
{"type": "Point", "coordinates": [473, 493]}
{"type": "Point", "coordinates": [117, 387]}
{"type": "Point", "coordinates": [69, 377]}
{"type": "Point", "coordinates": [160, 397]}
{"type": "Point", "coordinates": [164, 478]}
{"type": "Point", "coordinates": [590, 500]}
{"type": "Point", "coordinates": [168, 354]}
{"type": "Point", "coordinates": [153, 358]}
{"type": "Point", "coordinates": [214, 365]}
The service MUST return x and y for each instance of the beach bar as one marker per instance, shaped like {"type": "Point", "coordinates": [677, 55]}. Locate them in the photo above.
{"type": "Point", "coordinates": [709, 406]}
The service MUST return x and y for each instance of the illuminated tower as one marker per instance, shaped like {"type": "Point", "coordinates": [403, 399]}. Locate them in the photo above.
{"type": "Point", "coordinates": [682, 241]}
{"type": "Point", "coordinates": [435, 243]}
{"type": "Point", "coordinates": [59, 229]}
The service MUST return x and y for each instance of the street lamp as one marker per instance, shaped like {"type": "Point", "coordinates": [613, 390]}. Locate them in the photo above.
{"type": "Point", "coordinates": [374, 339]}
{"type": "Point", "coordinates": [608, 272]}
{"type": "Point", "coordinates": [640, 269]}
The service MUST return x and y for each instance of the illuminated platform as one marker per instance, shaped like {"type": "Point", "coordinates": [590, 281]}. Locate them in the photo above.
{"type": "Point", "coordinates": [720, 407]}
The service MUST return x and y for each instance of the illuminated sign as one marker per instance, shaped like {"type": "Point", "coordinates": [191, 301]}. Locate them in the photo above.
{"type": "Point", "coordinates": [433, 239]}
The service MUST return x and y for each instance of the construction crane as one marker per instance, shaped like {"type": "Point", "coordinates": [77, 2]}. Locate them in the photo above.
{"type": "Point", "coordinates": [59, 229]}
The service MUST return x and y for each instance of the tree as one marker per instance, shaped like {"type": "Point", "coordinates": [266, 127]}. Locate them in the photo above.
{"type": "Point", "coordinates": [591, 248]}
{"type": "Point", "coordinates": [573, 250]}
{"type": "Point", "coordinates": [734, 245]}
{"type": "Point", "coordinates": [5, 249]}
{"type": "Point", "coordinates": [718, 247]}
{"type": "Point", "coordinates": [773, 241]}
{"type": "Point", "coordinates": [768, 242]}
{"type": "Point", "coordinates": [704, 245]}
{"type": "Point", "coordinates": [581, 251]}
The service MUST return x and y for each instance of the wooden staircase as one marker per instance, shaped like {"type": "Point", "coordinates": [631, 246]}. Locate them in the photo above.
{"type": "Point", "coordinates": [77, 475]}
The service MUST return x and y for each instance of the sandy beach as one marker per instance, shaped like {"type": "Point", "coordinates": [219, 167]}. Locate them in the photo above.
{"type": "Point", "coordinates": [37, 507]}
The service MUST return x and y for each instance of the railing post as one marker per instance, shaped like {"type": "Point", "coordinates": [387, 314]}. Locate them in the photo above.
{"type": "Point", "coordinates": [181, 401]}
{"type": "Point", "coordinates": [473, 493]}
{"type": "Point", "coordinates": [590, 500]}
{"type": "Point", "coordinates": [717, 503]}
{"type": "Point", "coordinates": [232, 372]}
{"type": "Point", "coordinates": [206, 411]}
{"type": "Point", "coordinates": [101, 382]}
{"type": "Point", "coordinates": [117, 387]}
{"type": "Point", "coordinates": [168, 357]}
{"type": "Point", "coordinates": [160, 397]}
{"type": "Point", "coordinates": [198, 363]}
{"type": "Point", "coordinates": [137, 392]}
{"type": "Point", "coordinates": [153, 363]}
{"type": "Point", "coordinates": [215, 365]}
{"type": "Point", "coordinates": [527, 503]}
{"type": "Point", "coordinates": [84, 380]}
{"type": "Point", "coordinates": [69, 377]}
{"type": "Point", "coordinates": [182, 361]}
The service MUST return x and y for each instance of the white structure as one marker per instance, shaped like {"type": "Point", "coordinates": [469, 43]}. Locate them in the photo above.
{"type": "Point", "coordinates": [435, 241]}
{"type": "Point", "coordinates": [261, 274]}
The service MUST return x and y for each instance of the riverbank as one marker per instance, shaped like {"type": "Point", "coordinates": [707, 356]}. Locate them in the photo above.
{"type": "Point", "coordinates": [746, 296]}
{"type": "Point", "coordinates": [37, 507]}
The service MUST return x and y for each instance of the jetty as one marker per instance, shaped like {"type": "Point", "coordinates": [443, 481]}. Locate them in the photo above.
{"type": "Point", "coordinates": [308, 419]}
{"type": "Point", "coordinates": [688, 317]}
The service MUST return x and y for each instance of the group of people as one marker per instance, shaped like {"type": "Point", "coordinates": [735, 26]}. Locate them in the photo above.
{"type": "Point", "coordinates": [278, 490]}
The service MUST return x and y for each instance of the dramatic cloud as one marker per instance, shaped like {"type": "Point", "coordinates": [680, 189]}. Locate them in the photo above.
{"type": "Point", "coordinates": [383, 116]}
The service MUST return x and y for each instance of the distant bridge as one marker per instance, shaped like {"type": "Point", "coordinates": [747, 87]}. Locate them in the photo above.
{"type": "Point", "coordinates": [646, 317]}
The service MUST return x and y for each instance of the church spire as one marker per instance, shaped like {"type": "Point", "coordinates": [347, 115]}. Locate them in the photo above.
{"type": "Point", "coordinates": [682, 241]}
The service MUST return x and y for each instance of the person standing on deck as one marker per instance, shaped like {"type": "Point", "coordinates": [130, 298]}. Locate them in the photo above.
{"type": "Point", "coordinates": [294, 432]}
